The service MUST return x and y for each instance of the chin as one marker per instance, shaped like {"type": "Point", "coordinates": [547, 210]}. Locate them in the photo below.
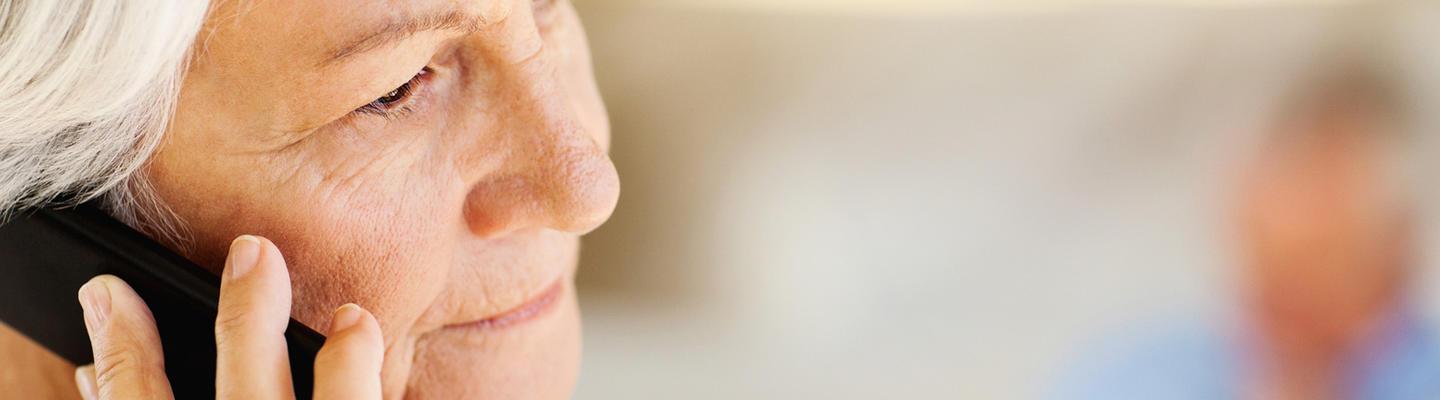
{"type": "Point", "coordinates": [536, 359]}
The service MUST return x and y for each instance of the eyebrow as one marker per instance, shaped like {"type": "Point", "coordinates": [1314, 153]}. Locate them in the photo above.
{"type": "Point", "coordinates": [395, 30]}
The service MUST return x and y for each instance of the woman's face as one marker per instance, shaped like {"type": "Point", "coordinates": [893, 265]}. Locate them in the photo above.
{"type": "Point", "coordinates": [434, 161]}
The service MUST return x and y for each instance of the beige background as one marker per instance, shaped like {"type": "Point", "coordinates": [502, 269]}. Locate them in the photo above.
{"type": "Point", "coordinates": [831, 200]}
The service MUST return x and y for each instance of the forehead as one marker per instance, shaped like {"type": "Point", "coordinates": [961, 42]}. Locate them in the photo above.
{"type": "Point", "coordinates": [239, 33]}
{"type": "Point", "coordinates": [259, 60]}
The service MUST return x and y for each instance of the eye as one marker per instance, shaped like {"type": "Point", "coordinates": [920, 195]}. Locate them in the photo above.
{"type": "Point", "coordinates": [395, 99]}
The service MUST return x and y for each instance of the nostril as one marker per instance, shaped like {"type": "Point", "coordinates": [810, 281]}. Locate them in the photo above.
{"type": "Point", "coordinates": [498, 206]}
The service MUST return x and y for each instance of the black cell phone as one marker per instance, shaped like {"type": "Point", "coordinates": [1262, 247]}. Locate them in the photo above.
{"type": "Point", "coordinates": [47, 254]}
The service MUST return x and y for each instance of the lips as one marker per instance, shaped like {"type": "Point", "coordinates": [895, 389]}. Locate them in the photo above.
{"type": "Point", "coordinates": [531, 309]}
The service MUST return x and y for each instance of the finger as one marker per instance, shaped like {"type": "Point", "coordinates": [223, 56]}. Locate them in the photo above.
{"type": "Point", "coordinates": [251, 357]}
{"type": "Point", "coordinates": [85, 382]}
{"type": "Point", "coordinates": [348, 365]}
{"type": "Point", "coordinates": [129, 363]}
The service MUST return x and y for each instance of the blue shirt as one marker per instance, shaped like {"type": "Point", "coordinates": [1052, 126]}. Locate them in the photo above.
{"type": "Point", "coordinates": [1207, 362]}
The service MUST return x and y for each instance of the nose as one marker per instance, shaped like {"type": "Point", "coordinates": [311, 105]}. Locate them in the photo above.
{"type": "Point", "coordinates": [553, 171]}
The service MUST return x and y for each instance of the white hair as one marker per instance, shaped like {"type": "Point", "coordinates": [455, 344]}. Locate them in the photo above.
{"type": "Point", "coordinates": [87, 89]}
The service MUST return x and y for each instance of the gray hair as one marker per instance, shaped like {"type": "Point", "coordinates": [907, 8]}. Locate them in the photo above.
{"type": "Point", "coordinates": [87, 90]}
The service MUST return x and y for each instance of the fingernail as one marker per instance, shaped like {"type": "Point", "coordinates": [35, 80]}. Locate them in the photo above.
{"type": "Point", "coordinates": [85, 382]}
{"type": "Point", "coordinates": [346, 317]}
{"type": "Point", "coordinates": [95, 300]}
{"type": "Point", "coordinates": [244, 254]}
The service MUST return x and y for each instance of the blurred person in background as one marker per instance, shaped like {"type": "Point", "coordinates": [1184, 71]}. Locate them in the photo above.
{"type": "Point", "coordinates": [1325, 239]}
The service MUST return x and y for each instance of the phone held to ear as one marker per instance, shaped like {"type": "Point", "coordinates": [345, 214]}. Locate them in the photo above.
{"type": "Point", "coordinates": [47, 254]}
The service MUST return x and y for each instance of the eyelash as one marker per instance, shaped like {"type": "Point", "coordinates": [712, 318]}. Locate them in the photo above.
{"type": "Point", "coordinates": [397, 102]}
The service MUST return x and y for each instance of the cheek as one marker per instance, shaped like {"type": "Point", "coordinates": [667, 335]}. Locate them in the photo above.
{"type": "Point", "coordinates": [341, 252]}
{"type": "Point", "coordinates": [360, 220]}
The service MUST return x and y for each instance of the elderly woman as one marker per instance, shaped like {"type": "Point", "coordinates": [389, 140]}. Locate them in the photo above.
{"type": "Point", "coordinates": [425, 167]}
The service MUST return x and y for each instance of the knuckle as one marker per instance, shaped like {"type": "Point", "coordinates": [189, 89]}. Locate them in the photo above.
{"type": "Point", "coordinates": [117, 362]}
{"type": "Point", "coordinates": [122, 347]}
{"type": "Point", "coordinates": [115, 366]}
{"type": "Point", "coordinates": [231, 320]}
{"type": "Point", "coordinates": [230, 323]}
{"type": "Point", "coordinates": [237, 320]}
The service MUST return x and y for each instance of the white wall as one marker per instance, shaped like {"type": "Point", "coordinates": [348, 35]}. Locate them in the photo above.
{"type": "Point", "coordinates": [855, 207]}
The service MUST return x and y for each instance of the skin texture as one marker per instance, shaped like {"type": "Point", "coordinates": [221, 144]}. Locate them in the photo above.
{"type": "Point", "coordinates": [1325, 245]}
{"type": "Point", "coordinates": [464, 201]}
{"type": "Point", "coordinates": [465, 204]}
{"type": "Point", "coordinates": [28, 371]}
{"type": "Point", "coordinates": [251, 361]}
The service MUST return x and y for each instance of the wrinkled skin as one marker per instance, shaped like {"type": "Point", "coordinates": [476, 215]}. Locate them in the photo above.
{"type": "Point", "coordinates": [465, 201]}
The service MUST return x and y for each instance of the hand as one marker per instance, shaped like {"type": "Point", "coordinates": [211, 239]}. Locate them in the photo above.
{"type": "Point", "coordinates": [249, 330]}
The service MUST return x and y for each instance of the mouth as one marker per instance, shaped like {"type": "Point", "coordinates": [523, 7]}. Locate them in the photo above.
{"type": "Point", "coordinates": [531, 309]}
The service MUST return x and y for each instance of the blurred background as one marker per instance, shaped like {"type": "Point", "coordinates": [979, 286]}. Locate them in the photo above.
{"type": "Point", "coordinates": [941, 198]}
